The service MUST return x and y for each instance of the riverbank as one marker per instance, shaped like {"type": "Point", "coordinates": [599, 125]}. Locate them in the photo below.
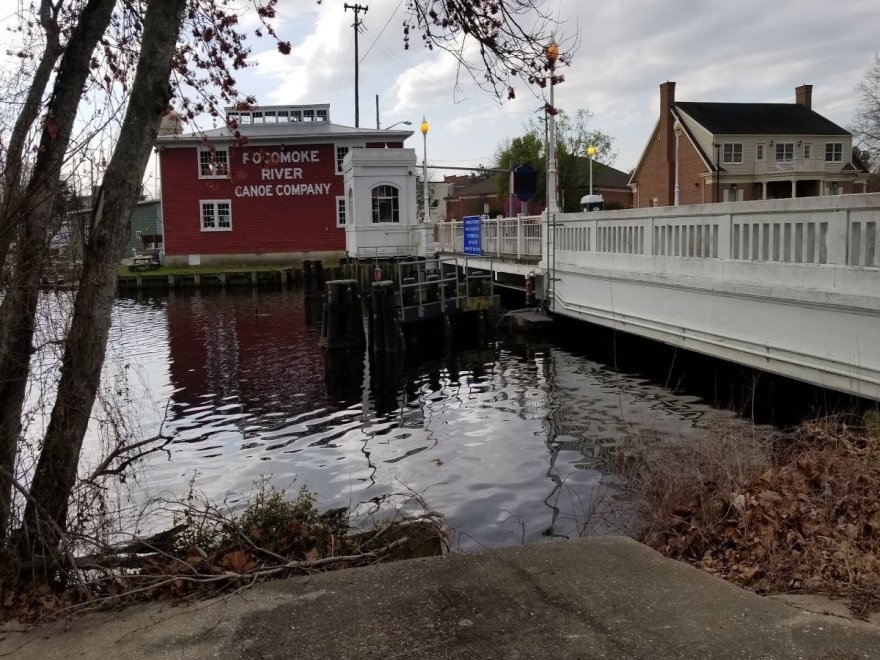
{"type": "Point", "coordinates": [597, 598]}
{"type": "Point", "coordinates": [794, 513]}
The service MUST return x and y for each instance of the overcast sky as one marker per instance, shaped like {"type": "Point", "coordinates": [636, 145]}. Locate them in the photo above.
{"type": "Point", "coordinates": [744, 50]}
{"type": "Point", "coordinates": [748, 50]}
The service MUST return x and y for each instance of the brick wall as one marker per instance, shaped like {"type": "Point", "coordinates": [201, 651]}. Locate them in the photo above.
{"type": "Point", "coordinates": [617, 198]}
{"type": "Point", "coordinates": [652, 175]}
{"type": "Point", "coordinates": [691, 183]}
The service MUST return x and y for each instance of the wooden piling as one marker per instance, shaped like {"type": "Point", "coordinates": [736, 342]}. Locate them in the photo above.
{"type": "Point", "coordinates": [342, 320]}
{"type": "Point", "coordinates": [386, 335]}
{"type": "Point", "coordinates": [313, 278]}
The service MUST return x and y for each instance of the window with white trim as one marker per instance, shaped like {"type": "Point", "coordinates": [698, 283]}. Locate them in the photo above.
{"type": "Point", "coordinates": [216, 214]}
{"type": "Point", "coordinates": [833, 152]}
{"type": "Point", "coordinates": [386, 204]}
{"type": "Point", "coordinates": [759, 155]}
{"type": "Point", "coordinates": [340, 154]}
{"type": "Point", "coordinates": [784, 151]}
{"type": "Point", "coordinates": [340, 211]}
{"type": "Point", "coordinates": [808, 151]}
{"type": "Point", "coordinates": [213, 163]}
{"type": "Point", "coordinates": [732, 152]}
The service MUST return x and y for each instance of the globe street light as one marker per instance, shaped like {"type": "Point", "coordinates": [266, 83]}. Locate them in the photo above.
{"type": "Point", "coordinates": [677, 128]}
{"type": "Point", "coordinates": [591, 151]}
{"type": "Point", "coordinates": [423, 127]}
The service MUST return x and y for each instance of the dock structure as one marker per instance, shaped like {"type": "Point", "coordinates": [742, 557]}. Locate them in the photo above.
{"type": "Point", "coordinates": [139, 280]}
{"type": "Point", "coordinates": [408, 292]}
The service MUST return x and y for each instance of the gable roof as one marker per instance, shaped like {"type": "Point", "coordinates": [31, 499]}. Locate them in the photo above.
{"type": "Point", "coordinates": [604, 176]}
{"type": "Point", "coordinates": [610, 177]}
{"type": "Point", "coordinates": [474, 187]}
{"type": "Point", "coordinates": [760, 119]}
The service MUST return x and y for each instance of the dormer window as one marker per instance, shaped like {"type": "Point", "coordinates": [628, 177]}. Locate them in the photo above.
{"type": "Point", "coordinates": [275, 114]}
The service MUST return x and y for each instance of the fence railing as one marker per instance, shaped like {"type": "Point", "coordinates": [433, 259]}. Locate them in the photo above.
{"type": "Point", "coordinates": [841, 229]}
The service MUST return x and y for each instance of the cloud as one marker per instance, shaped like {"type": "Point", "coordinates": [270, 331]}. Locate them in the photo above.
{"type": "Point", "coordinates": [750, 50]}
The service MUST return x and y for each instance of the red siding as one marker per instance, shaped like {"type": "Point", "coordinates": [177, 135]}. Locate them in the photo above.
{"type": "Point", "coordinates": [277, 223]}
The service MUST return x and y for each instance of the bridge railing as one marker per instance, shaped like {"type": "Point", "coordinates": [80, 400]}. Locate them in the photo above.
{"type": "Point", "coordinates": [510, 238]}
{"type": "Point", "coordinates": [841, 230]}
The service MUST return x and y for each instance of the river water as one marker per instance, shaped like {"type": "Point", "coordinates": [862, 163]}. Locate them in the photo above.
{"type": "Point", "coordinates": [510, 441]}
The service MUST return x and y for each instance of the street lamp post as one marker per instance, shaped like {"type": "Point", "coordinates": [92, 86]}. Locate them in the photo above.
{"type": "Point", "coordinates": [552, 54]}
{"type": "Point", "coordinates": [677, 128]}
{"type": "Point", "coordinates": [591, 151]}
{"type": "Point", "coordinates": [404, 122]}
{"type": "Point", "coordinates": [423, 127]}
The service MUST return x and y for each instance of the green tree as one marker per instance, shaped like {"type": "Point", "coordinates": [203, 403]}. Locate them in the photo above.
{"type": "Point", "coordinates": [863, 157]}
{"type": "Point", "coordinates": [527, 149]}
{"type": "Point", "coordinates": [573, 137]}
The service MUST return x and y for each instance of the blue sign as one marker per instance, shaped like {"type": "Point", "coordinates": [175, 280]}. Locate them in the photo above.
{"type": "Point", "coordinates": [472, 243]}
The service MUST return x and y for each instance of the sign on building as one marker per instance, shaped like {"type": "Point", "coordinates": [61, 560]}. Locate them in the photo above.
{"type": "Point", "coordinates": [472, 245]}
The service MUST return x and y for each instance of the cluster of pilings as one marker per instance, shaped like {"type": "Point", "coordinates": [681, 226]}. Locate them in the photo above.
{"type": "Point", "coordinates": [341, 312]}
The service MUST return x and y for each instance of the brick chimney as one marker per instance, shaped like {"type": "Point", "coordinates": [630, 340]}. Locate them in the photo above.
{"type": "Point", "coordinates": [667, 137]}
{"type": "Point", "coordinates": [803, 95]}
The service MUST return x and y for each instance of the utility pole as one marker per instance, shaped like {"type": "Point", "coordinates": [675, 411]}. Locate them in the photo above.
{"type": "Point", "coordinates": [357, 9]}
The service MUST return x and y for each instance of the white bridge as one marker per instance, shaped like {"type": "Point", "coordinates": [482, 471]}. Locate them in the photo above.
{"type": "Point", "coordinates": [790, 286]}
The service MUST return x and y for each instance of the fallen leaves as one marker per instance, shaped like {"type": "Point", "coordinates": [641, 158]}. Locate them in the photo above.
{"type": "Point", "coordinates": [809, 522]}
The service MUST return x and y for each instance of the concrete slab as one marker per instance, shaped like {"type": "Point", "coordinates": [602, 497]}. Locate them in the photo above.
{"type": "Point", "coordinates": [596, 598]}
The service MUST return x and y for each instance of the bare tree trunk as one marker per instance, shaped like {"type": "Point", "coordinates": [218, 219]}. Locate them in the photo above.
{"type": "Point", "coordinates": [86, 343]}
{"type": "Point", "coordinates": [18, 309]}
{"type": "Point", "coordinates": [23, 123]}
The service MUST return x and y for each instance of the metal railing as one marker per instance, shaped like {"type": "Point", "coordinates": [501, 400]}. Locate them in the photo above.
{"type": "Point", "coordinates": [432, 287]}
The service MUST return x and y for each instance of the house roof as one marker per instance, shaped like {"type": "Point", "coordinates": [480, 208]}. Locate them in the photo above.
{"type": "Point", "coordinates": [479, 187]}
{"type": "Point", "coordinates": [760, 119]}
{"type": "Point", "coordinates": [609, 177]}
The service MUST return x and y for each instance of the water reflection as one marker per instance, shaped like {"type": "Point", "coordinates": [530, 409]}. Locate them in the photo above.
{"type": "Point", "coordinates": [511, 441]}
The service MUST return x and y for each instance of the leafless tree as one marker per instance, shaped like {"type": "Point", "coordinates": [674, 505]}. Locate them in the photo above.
{"type": "Point", "coordinates": [193, 45]}
{"type": "Point", "coordinates": [867, 126]}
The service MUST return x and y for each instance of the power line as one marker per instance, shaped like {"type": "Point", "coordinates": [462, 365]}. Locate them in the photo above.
{"type": "Point", "coordinates": [382, 31]}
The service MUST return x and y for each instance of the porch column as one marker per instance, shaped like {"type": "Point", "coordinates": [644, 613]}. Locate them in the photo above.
{"type": "Point", "coordinates": [793, 188]}
{"type": "Point", "coordinates": [763, 190]}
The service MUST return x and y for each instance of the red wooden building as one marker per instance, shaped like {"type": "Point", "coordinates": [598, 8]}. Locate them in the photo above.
{"type": "Point", "coordinates": [276, 196]}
